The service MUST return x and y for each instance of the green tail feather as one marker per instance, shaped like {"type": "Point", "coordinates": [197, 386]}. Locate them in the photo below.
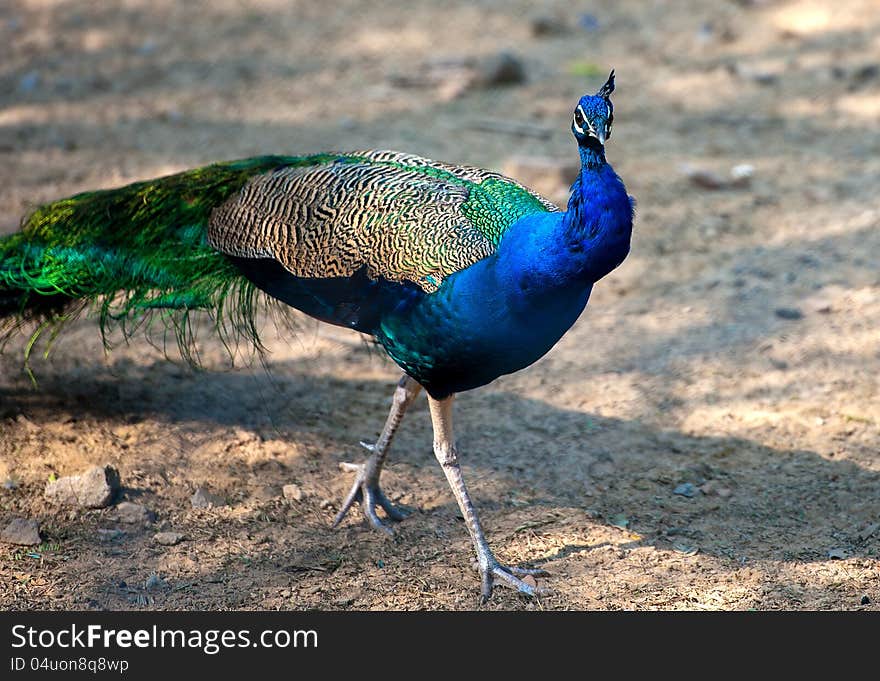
{"type": "Point", "coordinates": [131, 251]}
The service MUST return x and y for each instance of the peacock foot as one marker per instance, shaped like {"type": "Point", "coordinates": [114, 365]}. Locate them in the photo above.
{"type": "Point", "coordinates": [367, 492]}
{"type": "Point", "coordinates": [491, 571]}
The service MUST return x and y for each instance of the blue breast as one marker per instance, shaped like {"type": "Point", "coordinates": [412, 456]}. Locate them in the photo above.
{"type": "Point", "coordinates": [494, 318]}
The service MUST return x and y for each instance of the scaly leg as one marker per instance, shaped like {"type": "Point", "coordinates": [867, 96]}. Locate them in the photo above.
{"type": "Point", "coordinates": [366, 488]}
{"type": "Point", "coordinates": [447, 455]}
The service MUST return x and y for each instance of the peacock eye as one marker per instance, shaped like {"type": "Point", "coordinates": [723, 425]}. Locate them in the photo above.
{"type": "Point", "coordinates": [578, 118]}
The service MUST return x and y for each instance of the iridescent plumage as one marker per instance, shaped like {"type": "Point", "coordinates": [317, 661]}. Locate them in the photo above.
{"type": "Point", "coordinates": [461, 274]}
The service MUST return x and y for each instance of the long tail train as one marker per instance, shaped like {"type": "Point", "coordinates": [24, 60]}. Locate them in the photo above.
{"type": "Point", "coordinates": [124, 253]}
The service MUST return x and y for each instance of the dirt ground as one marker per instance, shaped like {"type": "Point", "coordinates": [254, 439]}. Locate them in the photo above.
{"type": "Point", "coordinates": [733, 358]}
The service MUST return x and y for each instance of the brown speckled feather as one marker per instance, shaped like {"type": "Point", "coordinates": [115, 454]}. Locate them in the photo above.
{"type": "Point", "coordinates": [401, 216]}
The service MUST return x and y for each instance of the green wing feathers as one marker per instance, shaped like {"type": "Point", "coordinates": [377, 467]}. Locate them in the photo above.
{"type": "Point", "coordinates": [162, 244]}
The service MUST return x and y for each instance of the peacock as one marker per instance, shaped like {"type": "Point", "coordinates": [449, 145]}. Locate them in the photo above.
{"type": "Point", "coordinates": [462, 275]}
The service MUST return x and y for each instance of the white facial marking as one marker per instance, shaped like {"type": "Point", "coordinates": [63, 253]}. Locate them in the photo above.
{"type": "Point", "coordinates": [584, 117]}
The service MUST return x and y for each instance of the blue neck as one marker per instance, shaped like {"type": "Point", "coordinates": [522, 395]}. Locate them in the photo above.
{"type": "Point", "coordinates": [597, 225]}
{"type": "Point", "coordinates": [551, 259]}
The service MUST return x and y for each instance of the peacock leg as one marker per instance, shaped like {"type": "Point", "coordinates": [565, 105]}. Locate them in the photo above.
{"type": "Point", "coordinates": [366, 488]}
{"type": "Point", "coordinates": [447, 455]}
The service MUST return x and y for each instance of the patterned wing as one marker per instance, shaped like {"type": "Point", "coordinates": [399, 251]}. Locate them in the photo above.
{"type": "Point", "coordinates": [403, 217]}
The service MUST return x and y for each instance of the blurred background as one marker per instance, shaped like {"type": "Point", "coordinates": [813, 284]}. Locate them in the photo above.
{"type": "Point", "coordinates": [707, 436]}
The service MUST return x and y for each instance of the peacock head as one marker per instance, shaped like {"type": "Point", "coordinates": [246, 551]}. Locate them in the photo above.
{"type": "Point", "coordinates": [594, 116]}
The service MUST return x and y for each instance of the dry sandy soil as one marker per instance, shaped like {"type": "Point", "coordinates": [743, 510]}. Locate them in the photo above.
{"type": "Point", "coordinates": [735, 350]}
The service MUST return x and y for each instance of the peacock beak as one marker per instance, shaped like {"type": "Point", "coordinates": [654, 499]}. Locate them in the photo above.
{"type": "Point", "coordinates": [599, 135]}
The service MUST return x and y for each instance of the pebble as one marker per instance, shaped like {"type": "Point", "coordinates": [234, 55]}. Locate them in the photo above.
{"type": "Point", "coordinates": [820, 306]}
{"type": "Point", "coordinates": [543, 25]}
{"type": "Point", "coordinates": [29, 82]}
{"type": "Point", "coordinates": [154, 581]}
{"type": "Point", "coordinates": [686, 489]}
{"type": "Point", "coordinates": [713, 488]}
{"type": "Point", "coordinates": [169, 538]}
{"type": "Point", "coordinates": [110, 535]}
{"type": "Point", "coordinates": [531, 581]}
{"type": "Point", "coordinates": [292, 492]}
{"type": "Point", "coordinates": [131, 513]}
{"type": "Point", "coordinates": [740, 177]}
{"type": "Point", "coordinates": [865, 600]}
{"type": "Point", "coordinates": [588, 22]}
{"type": "Point", "coordinates": [704, 179]}
{"type": "Point", "coordinates": [864, 74]}
{"type": "Point", "coordinates": [265, 493]}
{"type": "Point", "coordinates": [95, 488]}
{"type": "Point", "coordinates": [788, 313]}
{"type": "Point", "coordinates": [21, 531]}
{"type": "Point", "coordinates": [757, 74]}
{"type": "Point", "coordinates": [504, 68]}
{"type": "Point", "coordinates": [868, 531]}
{"type": "Point", "coordinates": [202, 498]}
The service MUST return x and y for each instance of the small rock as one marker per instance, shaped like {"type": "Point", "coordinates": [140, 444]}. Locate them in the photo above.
{"type": "Point", "coordinates": [131, 513]}
{"type": "Point", "coordinates": [820, 306]}
{"type": "Point", "coordinates": [285, 593]}
{"type": "Point", "coordinates": [95, 488]}
{"type": "Point", "coordinates": [704, 179]}
{"type": "Point", "coordinates": [544, 25]}
{"type": "Point", "coordinates": [21, 531]}
{"type": "Point", "coordinates": [864, 74]}
{"type": "Point", "coordinates": [531, 581]}
{"type": "Point", "coordinates": [110, 535]}
{"type": "Point", "coordinates": [686, 549]}
{"type": "Point", "coordinates": [202, 498]}
{"type": "Point", "coordinates": [503, 68]}
{"type": "Point", "coordinates": [686, 489]}
{"type": "Point", "coordinates": [588, 22]}
{"type": "Point", "coordinates": [265, 493]}
{"type": "Point", "coordinates": [788, 313]}
{"type": "Point", "coordinates": [838, 554]}
{"type": "Point", "coordinates": [868, 531]}
{"type": "Point", "coordinates": [29, 82]}
{"type": "Point", "coordinates": [714, 489]}
{"type": "Point", "coordinates": [741, 175]}
{"type": "Point", "coordinates": [169, 538]}
{"type": "Point", "coordinates": [619, 520]}
{"type": "Point", "coordinates": [326, 504]}
{"type": "Point", "coordinates": [756, 73]}
{"type": "Point", "coordinates": [154, 581]}
{"type": "Point", "coordinates": [292, 492]}
{"type": "Point", "coordinates": [865, 600]}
